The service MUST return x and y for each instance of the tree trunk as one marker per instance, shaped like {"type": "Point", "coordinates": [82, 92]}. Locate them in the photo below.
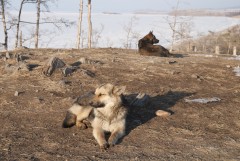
{"type": "Point", "coordinates": [80, 24]}
{"type": "Point", "coordinates": [37, 24]}
{"type": "Point", "coordinates": [174, 26]}
{"type": "Point", "coordinates": [89, 25]}
{"type": "Point", "coordinates": [217, 50]}
{"type": "Point", "coordinates": [20, 40]}
{"type": "Point", "coordinates": [4, 26]}
{"type": "Point", "coordinates": [18, 23]}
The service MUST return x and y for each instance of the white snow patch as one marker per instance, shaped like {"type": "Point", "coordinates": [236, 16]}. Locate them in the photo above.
{"type": "Point", "coordinates": [203, 100]}
{"type": "Point", "coordinates": [113, 33]}
{"type": "Point", "coordinates": [237, 71]}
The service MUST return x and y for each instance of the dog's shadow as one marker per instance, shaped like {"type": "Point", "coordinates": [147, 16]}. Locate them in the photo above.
{"type": "Point", "coordinates": [141, 113]}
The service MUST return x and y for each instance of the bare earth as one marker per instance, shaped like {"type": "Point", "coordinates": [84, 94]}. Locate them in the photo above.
{"type": "Point", "coordinates": [31, 120]}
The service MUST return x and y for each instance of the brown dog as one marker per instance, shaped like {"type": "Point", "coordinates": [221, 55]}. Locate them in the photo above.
{"type": "Point", "coordinates": [146, 47]}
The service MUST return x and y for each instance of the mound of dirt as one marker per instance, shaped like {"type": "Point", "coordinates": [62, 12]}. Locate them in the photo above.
{"type": "Point", "coordinates": [31, 119]}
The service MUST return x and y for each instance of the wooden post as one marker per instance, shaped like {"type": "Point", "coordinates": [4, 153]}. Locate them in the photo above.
{"type": "Point", "coordinates": [194, 48]}
{"type": "Point", "coordinates": [217, 50]}
{"type": "Point", "coordinates": [189, 46]}
{"type": "Point", "coordinates": [234, 50]}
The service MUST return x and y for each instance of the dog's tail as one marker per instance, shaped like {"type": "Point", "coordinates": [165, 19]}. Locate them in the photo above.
{"type": "Point", "coordinates": [75, 114]}
{"type": "Point", "coordinates": [71, 116]}
{"type": "Point", "coordinates": [70, 120]}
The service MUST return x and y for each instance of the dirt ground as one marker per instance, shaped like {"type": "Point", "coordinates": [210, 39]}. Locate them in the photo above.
{"type": "Point", "coordinates": [33, 106]}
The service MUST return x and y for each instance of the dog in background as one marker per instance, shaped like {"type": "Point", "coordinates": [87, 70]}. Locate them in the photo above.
{"type": "Point", "coordinates": [105, 111]}
{"type": "Point", "coordinates": [146, 46]}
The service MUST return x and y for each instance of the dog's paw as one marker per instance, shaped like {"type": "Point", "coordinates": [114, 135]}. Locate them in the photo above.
{"type": "Point", "coordinates": [81, 125]}
{"type": "Point", "coordinates": [111, 145]}
{"type": "Point", "coordinates": [104, 147]}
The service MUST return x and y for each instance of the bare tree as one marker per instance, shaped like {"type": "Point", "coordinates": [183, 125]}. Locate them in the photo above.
{"type": "Point", "coordinates": [84, 38]}
{"type": "Point", "coordinates": [130, 34]}
{"type": "Point", "coordinates": [96, 35]}
{"type": "Point", "coordinates": [20, 40]}
{"type": "Point", "coordinates": [79, 24]}
{"type": "Point", "coordinates": [37, 23]}
{"type": "Point", "coordinates": [183, 29]}
{"type": "Point", "coordinates": [173, 26]}
{"type": "Point", "coordinates": [18, 22]}
{"type": "Point", "coordinates": [89, 25]}
{"type": "Point", "coordinates": [5, 44]}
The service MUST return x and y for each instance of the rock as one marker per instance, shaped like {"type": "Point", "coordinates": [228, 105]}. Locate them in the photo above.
{"type": "Point", "coordinates": [141, 100]}
{"type": "Point", "coordinates": [203, 100]}
{"type": "Point", "coordinates": [37, 100]}
{"type": "Point", "coordinates": [16, 93]}
{"type": "Point", "coordinates": [64, 82]}
{"type": "Point", "coordinates": [23, 66]}
{"type": "Point", "coordinates": [88, 73]}
{"type": "Point", "coordinates": [195, 76]}
{"type": "Point", "coordinates": [18, 57]}
{"type": "Point", "coordinates": [69, 70]}
{"type": "Point", "coordinates": [52, 64]}
{"type": "Point", "coordinates": [88, 61]}
{"type": "Point", "coordinates": [162, 113]}
{"type": "Point", "coordinates": [172, 62]}
{"type": "Point", "coordinates": [8, 55]}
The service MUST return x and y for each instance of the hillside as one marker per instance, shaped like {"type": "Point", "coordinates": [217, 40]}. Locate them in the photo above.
{"type": "Point", "coordinates": [226, 40]}
{"type": "Point", "coordinates": [33, 106]}
{"type": "Point", "coordinates": [230, 12]}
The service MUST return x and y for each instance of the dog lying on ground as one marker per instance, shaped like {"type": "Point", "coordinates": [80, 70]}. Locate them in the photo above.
{"type": "Point", "coordinates": [146, 47]}
{"type": "Point", "coordinates": [104, 110]}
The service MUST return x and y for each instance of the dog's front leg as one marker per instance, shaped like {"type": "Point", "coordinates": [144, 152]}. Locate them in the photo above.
{"type": "Point", "coordinates": [98, 134]}
{"type": "Point", "coordinates": [115, 135]}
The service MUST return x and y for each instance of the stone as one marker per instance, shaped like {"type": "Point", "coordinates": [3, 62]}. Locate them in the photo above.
{"type": "Point", "coordinates": [52, 64]}
{"type": "Point", "coordinates": [16, 93]}
{"type": "Point", "coordinates": [69, 70]}
{"type": "Point", "coordinates": [141, 100]}
{"type": "Point", "coordinates": [162, 113]}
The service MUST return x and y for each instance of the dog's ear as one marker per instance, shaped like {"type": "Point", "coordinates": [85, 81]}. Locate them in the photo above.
{"type": "Point", "coordinates": [119, 90]}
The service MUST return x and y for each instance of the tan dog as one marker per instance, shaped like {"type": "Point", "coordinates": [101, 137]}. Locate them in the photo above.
{"type": "Point", "coordinates": [106, 114]}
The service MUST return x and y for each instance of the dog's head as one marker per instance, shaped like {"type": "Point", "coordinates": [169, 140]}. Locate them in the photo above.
{"type": "Point", "coordinates": [148, 39]}
{"type": "Point", "coordinates": [108, 95]}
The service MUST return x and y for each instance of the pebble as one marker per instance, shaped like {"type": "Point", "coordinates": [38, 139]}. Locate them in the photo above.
{"type": "Point", "coordinates": [172, 62]}
{"type": "Point", "coordinates": [162, 113]}
{"type": "Point", "coordinates": [16, 93]}
{"type": "Point", "coordinates": [195, 76]}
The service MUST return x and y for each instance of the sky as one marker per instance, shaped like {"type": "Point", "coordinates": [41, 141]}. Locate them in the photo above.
{"type": "Point", "coordinates": [133, 5]}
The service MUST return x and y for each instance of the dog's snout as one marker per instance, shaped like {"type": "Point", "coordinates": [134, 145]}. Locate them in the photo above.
{"type": "Point", "coordinates": [96, 104]}
{"type": "Point", "coordinates": [156, 41]}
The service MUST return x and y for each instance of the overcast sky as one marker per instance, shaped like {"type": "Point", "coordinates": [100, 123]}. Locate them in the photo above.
{"type": "Point", "coordinates": [135, 5]}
